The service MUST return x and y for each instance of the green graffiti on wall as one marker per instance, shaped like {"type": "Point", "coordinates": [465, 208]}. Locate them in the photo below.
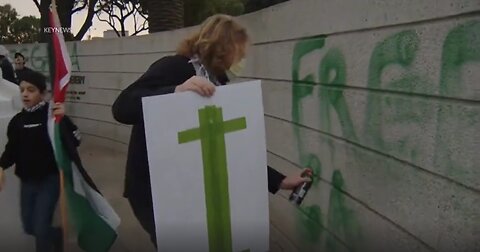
{"type": "Point", "coordinates": [341, 219]}
{"type": "Point", "coordinates": [387, 111]}
{"type": "Point", "coordinates": [311, 223]}
{"type": "Point", "coordinates": [74, 58]}
{"type": "Point", "coordinates": [333, 71]}
{"type": "Point", "coordinates": [302, 87]}
{"type": "Point", "coordinates": [332, 103]}
{"type": "Point", "coordinates": [311, 218]}
{"type": "Point", "coordinates": [36, 55]}
{"type": "Point", "coordinates": [461, 46]}
{"type": "Point", "coordinates": [399, 49]}
{"type": "Point", "coordinates": [383, 112]}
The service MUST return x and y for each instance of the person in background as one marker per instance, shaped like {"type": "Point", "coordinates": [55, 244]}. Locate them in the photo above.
{"type": "Point", "coordinates": [20, 68]}
{"type": "Point", "coordinates": [6, 65]}
{"type": "Point", "coordinates": [202, 62]}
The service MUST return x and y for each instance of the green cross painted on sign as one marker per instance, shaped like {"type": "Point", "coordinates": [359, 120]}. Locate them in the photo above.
{"type": "Point", "coordinates": [211, 134]}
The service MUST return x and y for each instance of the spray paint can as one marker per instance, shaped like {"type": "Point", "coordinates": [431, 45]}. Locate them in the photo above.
{"type": "Point", "coordinates": [300, 192]}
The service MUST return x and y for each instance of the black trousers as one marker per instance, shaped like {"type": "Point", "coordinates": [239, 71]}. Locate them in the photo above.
{"type": "Point", "coordinates": [143, 211]}
{"type": "Point", "coordinates": [38, 201]}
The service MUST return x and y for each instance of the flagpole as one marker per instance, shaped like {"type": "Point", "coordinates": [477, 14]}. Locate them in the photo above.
{"type": "Point", "coordinates": [63, 210]}
{"type": "Point", "coordinates": [63, 201]}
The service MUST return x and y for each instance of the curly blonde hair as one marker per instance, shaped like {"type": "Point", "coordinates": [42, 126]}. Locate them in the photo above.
{"type": "Point", "coordinates": [219, 43]}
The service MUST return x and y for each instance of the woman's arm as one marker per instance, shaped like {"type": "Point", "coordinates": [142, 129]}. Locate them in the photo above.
{"type": "Point", "coordinates": [161, 78]}
{"type": "Point", "coordinates": [275, 178]}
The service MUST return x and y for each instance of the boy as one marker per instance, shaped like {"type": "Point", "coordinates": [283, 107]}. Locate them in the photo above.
{"type": "Point", "coordinates": [30, 149]}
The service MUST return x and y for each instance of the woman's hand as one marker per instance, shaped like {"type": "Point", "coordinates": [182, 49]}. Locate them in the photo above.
{"type": "Point", "coordinates": [198, 84]}
{"type": "Point", "coordinates": [292, 181]}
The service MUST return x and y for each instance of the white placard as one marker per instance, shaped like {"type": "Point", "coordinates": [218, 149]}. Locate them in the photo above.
{"type": "Point", "coordinates": [183, 167]}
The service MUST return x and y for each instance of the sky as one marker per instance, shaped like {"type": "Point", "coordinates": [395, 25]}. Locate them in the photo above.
{"type": "Point", "coordinates": [28, 8]}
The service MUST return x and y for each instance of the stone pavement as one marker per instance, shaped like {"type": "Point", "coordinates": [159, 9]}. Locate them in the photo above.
{"type": "Point", "coordinates": [106, 167]}
{"type": "Point", "coordinates": [11, 233]}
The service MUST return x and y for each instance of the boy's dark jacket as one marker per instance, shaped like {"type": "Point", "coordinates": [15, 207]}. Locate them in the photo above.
{"type": "Point", "coordinates": [29, 146]}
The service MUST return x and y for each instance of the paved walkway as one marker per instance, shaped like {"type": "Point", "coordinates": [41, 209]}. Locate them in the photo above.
{"type": "Point", "coordinates": [11, 233]}
{"type": "Point", "coordinates": [106, 167]}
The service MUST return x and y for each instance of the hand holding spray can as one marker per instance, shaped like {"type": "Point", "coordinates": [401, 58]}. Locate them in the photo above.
{"type": "Point", "coordinates": [300, 192]}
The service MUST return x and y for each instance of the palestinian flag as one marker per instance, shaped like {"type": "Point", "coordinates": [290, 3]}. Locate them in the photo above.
{"type": "Point", "coordinates": [94, 220]}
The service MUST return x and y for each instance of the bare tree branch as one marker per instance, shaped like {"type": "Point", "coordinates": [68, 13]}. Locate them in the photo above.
{"type": "Point", "coordinates": [129, 13]}
{"type": "Point", "coordinates": [122, 21]}
{"type": "Point", "coordinates": [103, 20]}
{"type": "Point", "coordinates": [116, 16]}
{"type": "Point", "coordinates": [117, 4]}
{"type": "Point", "coordinates": [110, 22]}
{"type": "Point", "coordinates": [129, 7]}
{"type": "Point", "coordinates": [135, 21]}
{"type": "Point", "coordinates": [143, 15]}
{"type": "Point", "coordinates": [111, 18]}
{"type": "Point", "coordinates": [138, 31]}
{"type": "Point", "coordinates": [101, 7]}
{"type": "Point", "coordinates": [81, 7]}
{"type": "Point", "coordinates": [37, 4]}
{"type": "Point", "coordinates": [88, 20]}
{"type": "Point", "coordinates": [139, 12]}
{"type": "Point", "coordinates": [136, 16]}
{"type": "Point", "coordinates": [144, 28]}
{"type": "Point", "coordinates": [119, 12]}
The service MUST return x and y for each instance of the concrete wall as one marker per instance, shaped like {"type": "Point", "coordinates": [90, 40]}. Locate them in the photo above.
{"type": "Point", "coordinates": [380, 98]}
